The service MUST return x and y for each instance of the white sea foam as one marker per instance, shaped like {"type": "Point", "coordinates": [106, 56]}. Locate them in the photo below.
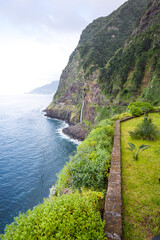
{"type": "Point", "coordinates": [60, 131]}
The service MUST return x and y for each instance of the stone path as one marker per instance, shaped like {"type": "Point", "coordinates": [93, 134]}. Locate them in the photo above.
{"type": "Point", "coordinates": [113, 203]}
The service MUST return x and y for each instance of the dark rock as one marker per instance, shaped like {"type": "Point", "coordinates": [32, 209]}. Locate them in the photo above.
{"type": "Point", "coordinates": [59, 114]}
{"type": "Point", "coordinates": [157, 237]}
{"type": "Point", "coordinates": [78, 131]}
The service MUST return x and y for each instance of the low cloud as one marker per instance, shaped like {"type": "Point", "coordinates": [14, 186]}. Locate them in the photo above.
{"type": "Point", "coordinates": [57, 16]}
{"type": "Point", "coordinates": [37, 37]}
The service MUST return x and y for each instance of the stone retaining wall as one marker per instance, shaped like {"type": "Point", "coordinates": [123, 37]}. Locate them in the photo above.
{"type": "Point", "coordinates": [113, 203]}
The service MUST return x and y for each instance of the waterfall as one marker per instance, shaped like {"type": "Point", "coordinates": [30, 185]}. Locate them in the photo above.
{"type": "Point", "coordinates": [81, 116]}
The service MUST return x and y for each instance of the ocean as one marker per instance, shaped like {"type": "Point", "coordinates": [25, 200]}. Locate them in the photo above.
{"type": "Point", "coordinates": [32, 151]}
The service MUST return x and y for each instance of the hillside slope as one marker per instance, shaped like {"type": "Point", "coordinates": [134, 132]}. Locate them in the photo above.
{"type": "Point", "coordinates": [98, 43]}
{"type": "Point", "coordinates": [133, 73]}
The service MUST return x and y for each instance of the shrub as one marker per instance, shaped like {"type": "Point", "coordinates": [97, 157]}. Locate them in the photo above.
{"type": "Point", "coordinates": [121, 116]}
{"type": "Point", "coordinates": [90, 165]}
{"type": "Point", "coordinates": [88, 170]}
{"type": "Point", "coordinates": [104, 123]}
{"type": "Point", "coordinates": [74, 216]}
{"type": "Point", "coordinates": [138, 108]}
{"type": "Point", "coordinates": [145, 130]}
{"type": "Point", "coordinates": [136, 111]}
{"type": "Point", "coordinates": [63, 178]}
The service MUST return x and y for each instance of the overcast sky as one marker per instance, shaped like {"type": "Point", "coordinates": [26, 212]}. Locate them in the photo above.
{"type": "Point", "coordinates": [38, 36]}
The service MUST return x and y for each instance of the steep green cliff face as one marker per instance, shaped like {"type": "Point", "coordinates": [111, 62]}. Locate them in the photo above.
{"type": "Point", "coordinates": [82, 78]}
{"type": "Point", "coordinates": [133, 73]}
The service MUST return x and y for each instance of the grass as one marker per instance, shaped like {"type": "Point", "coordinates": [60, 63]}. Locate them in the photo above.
{"type": "Point", "coordinates": [140, 185]}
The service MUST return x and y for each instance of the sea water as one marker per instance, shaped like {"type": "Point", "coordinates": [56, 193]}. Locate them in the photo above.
{"type": "Point", "coordinates": [32, 151]}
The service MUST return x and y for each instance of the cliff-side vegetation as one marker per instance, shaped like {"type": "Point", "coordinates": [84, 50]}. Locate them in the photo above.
{"type": "Point", "coordinates": [134, 70]}
{"type": "Point", "coordinates": [100, 40]}
{"type": "Point", "coordinates": [90, 165]}
{"type": "Point", "coordinates": [108, 112]}
{"type": "Point", "coordinates": [70, 217]}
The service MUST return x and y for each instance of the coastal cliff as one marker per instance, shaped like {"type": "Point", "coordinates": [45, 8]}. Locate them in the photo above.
{"type": "Point", "coordinates": [106, 69]}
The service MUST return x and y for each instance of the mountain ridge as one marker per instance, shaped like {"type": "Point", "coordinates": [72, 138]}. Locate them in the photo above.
{"type": "Point", "coordinates": [49, 88]}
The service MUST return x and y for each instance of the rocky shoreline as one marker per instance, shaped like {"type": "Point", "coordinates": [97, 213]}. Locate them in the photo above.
{"type": "Point", "coordinates": [58, 114]}
{"type": "Point", "coordinates": [77, 132]}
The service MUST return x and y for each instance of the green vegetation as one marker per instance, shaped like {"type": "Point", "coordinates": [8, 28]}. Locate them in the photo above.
{"type": "Point", "coordinates": [102, 38]}
{"type": "Point", "coordinates": [109, 112]}
{"type": "Point", "coordinates": [98, 43]}
{"type": "Point", "coordinates": [139, 108]}
{"type": "Point", "coordinates": [121, 116]}
{"type": "Point", "coordinates": [73, 213]}
{"type": "Point", "coordinates": [146, 130]}
{"type": "Point", "coordinates": [102, 113]}
{"type": "Point", "coordinates": [136, 151]}
{"type": "Point", "coordinates": [88, 124]}
{"type": "Point", "coordinates": [125, 66]}
{"type": "Point", "coordinates": [90, 165]}
{"type": "Point", "coordinates": [74, 216]}
{"type": "Point", "coordinates": [140, 185]}
{"type": "Point", "coordinates": [129, 71]}
{"type": "Point", "coordinates": [134, 70]}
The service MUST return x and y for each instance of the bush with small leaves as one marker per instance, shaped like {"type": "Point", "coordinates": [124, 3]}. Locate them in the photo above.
{"type": "Point", "coordinates": [74, 216]}
{"type": "Point", "coordinates": [121, 116]}
{"type": "Point", "coordinates": [139, 108]}
{"type": "Point", "coordinates": [145, 130]}
{"type": "Point", "coordinates": [90, 165]}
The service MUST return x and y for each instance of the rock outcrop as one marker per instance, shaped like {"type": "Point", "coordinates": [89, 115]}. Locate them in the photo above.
{"type": "Point", "coordinates": [78, 131]}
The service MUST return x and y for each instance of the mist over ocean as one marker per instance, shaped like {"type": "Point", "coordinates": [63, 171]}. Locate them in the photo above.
{"type": "Point", "coordinates": [32, 151]}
